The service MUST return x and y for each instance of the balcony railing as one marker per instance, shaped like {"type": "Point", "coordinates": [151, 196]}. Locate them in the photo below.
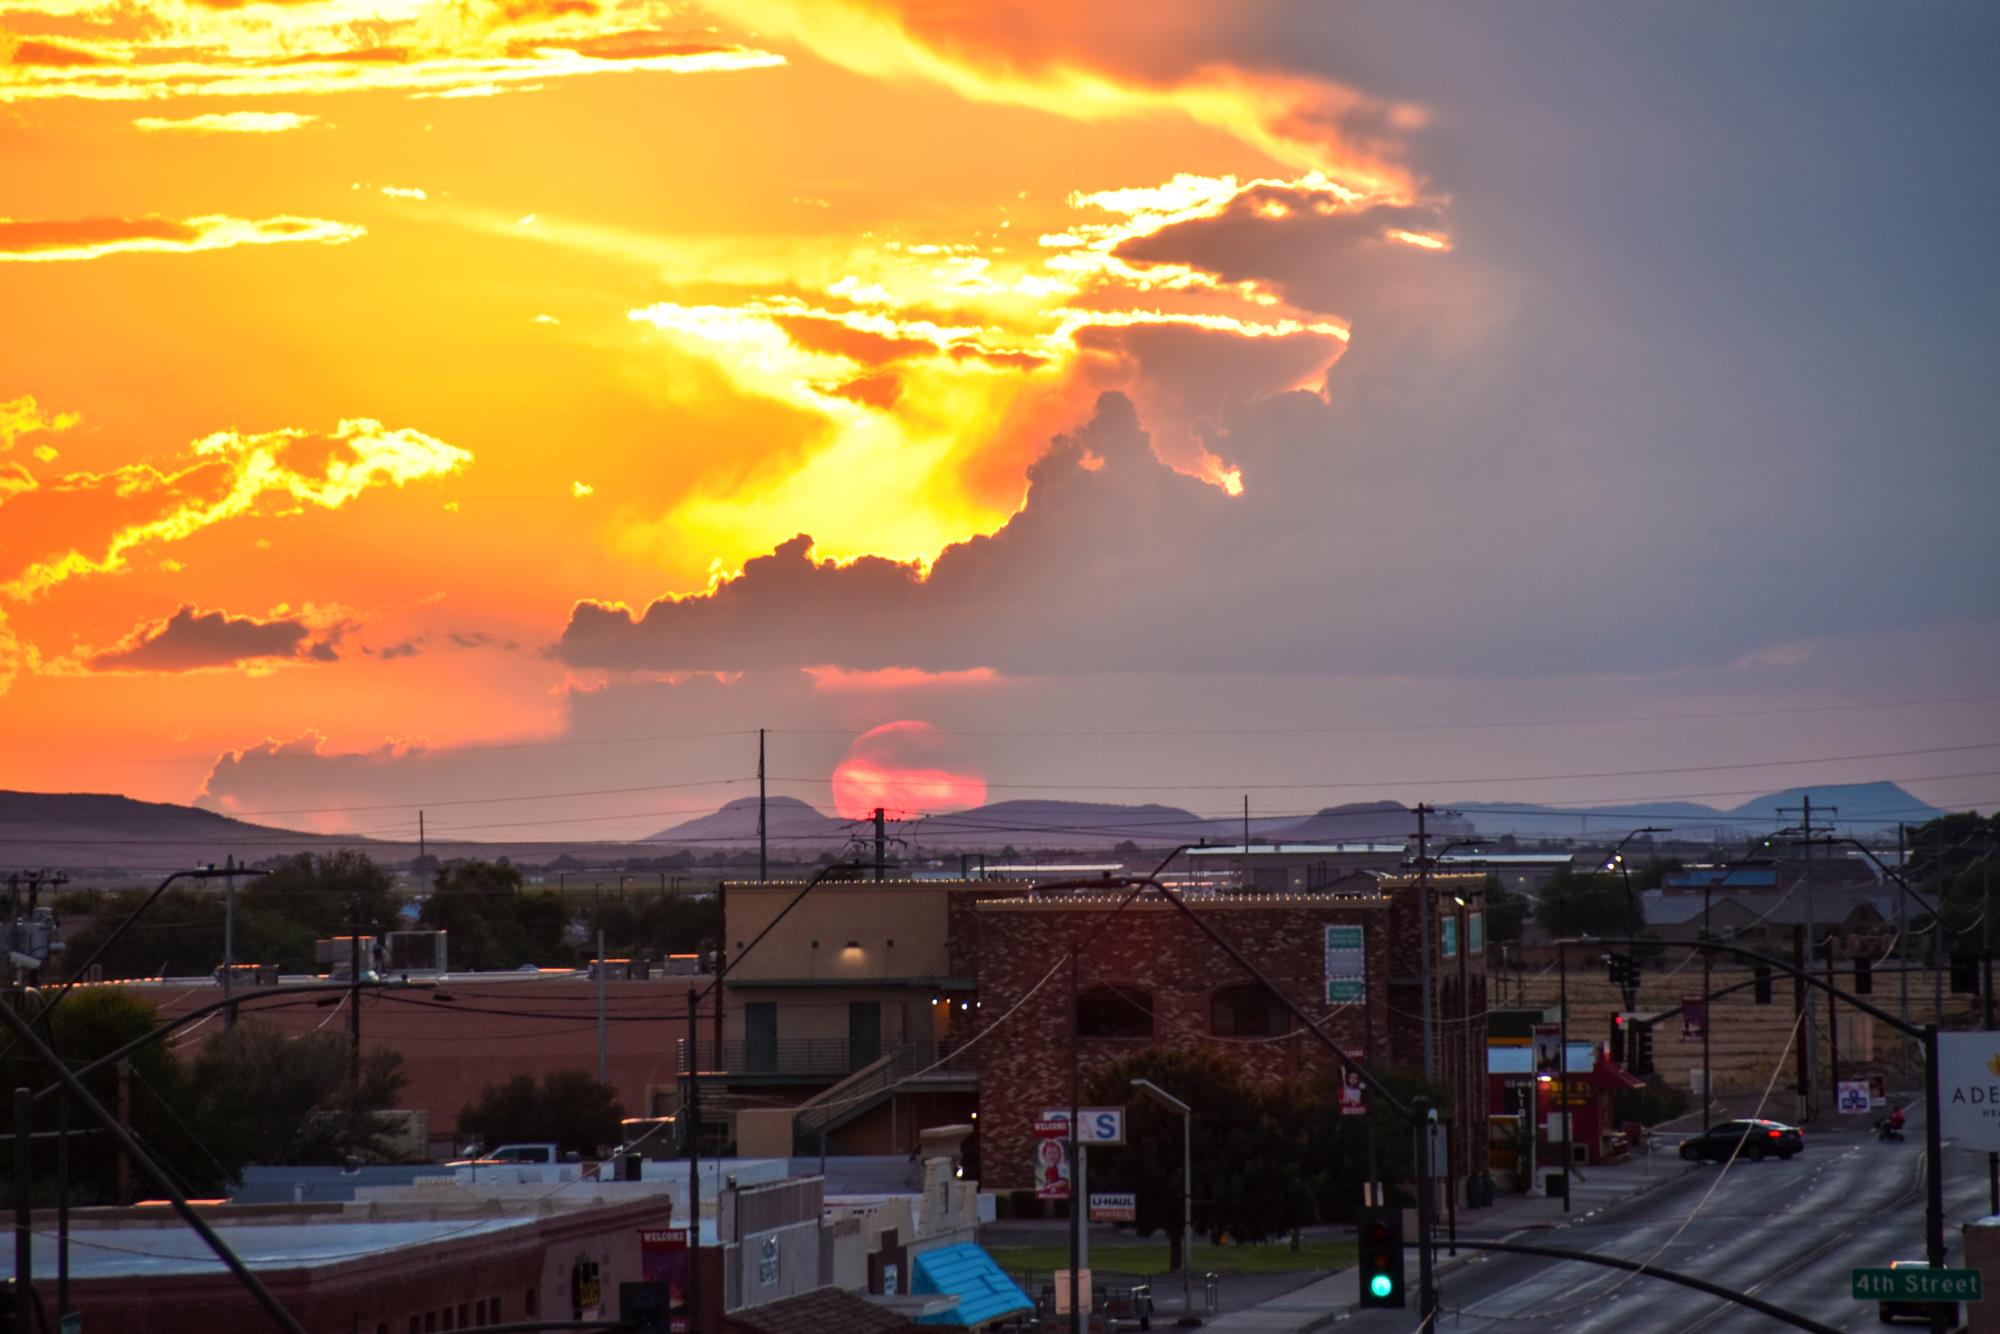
{"type": "Point", "coordinates": [807, 1058]}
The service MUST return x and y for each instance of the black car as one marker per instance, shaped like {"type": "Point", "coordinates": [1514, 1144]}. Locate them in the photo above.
{"type": "Point", "coordinates": [1888, 1312]}
{"type": "Point", "coordinates": [1760, 1140]}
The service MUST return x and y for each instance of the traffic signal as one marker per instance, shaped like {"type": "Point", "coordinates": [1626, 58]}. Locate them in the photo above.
{"type": "Point", "coordinates": [1642, 1050]}
{"type": "Point", "coordinates": [645, 1306]}
{"type": "Point", "coordinates": [1381, 1266]}
{"type": "Point", "coordinates": [1763, 984]}
{"type": "Point", "coordinates": [1618, 1039]}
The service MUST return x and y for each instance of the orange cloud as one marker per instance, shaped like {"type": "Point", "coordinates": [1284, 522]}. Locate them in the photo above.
{"type": "Point", "coordinates": [840, 680]}
{"type": "Point", "coordinates": [94, 238]}
{"type": "Point", "coordinates": [1106, 61]}
{"type": "Point", "coordinates": [233, 48]}
{"type": "Point", "coordinates": [226, 122]}
{"type": "Point", "coordinates": [230, 475]}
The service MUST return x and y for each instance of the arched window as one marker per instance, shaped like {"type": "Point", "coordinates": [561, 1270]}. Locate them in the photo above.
{"type": "Point", "coordinates": [1115, 1012]}
{"type": "Point", "coordinates": [1247, 1012]}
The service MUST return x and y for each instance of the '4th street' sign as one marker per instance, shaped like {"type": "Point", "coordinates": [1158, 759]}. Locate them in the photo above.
{"type": "Point", "coordinates": [1916, 1283]}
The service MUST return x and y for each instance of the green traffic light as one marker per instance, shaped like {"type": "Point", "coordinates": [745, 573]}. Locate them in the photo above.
{"type": "Point", "coordinates": [1381, 1285]}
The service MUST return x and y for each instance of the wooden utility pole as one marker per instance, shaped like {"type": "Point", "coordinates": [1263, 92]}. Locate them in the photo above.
{"type": "Point", "coordinates": [125, 1120]}
{"type": "Point", "coordinates": [354, 1000]}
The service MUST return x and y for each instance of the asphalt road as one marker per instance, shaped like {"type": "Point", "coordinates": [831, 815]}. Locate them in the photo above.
{"type": "Point", "coordinates": [1787, 1232]}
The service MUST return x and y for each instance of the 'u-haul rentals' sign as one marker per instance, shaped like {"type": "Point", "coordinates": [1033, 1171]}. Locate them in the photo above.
{"type": "Point", "coordinates": [1113, 1207]}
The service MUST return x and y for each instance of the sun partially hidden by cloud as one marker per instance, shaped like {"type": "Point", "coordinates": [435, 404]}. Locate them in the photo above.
{"type": "Point", "coordinates": [95, 238]}
{"type": "Point", "coordinates": [222, 477]}
{"type": "Point", "coordinates": [907, 768]}
{"type": "Point", "coordinates": [914, 363]}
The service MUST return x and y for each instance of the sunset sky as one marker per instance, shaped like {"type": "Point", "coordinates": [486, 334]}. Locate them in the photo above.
{"type": "Point", "coordinates": [506, 407]}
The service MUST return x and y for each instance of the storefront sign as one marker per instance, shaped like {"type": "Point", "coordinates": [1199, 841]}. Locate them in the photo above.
{"type": "Point", "coordinates": [1051, 1167]}
{"type": "Point", "coordinates": [1346, 964]}
{"type": "Point", "coordinates": [664, 1257]}
{"type": "Point", "coordinates": [1969, 1086]}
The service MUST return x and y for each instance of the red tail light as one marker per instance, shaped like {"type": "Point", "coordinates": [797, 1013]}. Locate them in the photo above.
{"type": "Point", "coordinates": [1774, 1134]}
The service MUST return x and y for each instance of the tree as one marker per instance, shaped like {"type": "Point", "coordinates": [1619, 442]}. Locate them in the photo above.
{"type": "Point", "coordinates": [1588, 904]}
{"type": "Point", "coordinates": [569, 1108]}
{"type": "Point", "coordinates": [94, 1022]}
{"type": "Point", "coordinates": [1271, 1175]}
{"type": "Point", "coordinates": [1149, 1163]}
{"type": "Point", "coordinates": [309, 898]}
{"type": "Point", "coordinates": [1506, 912]}
{"type": "Point", "coordinates": [493, 921]}
{"type": "Point", "coordinates": [263, 1095]}
{"type": "Point", "coordinates": [659, 924]}
{"type": "Point", "coordinates": [1948, 855]}
{"type": "Point", "coordinates": [1339, 1143]}
{"type": "Point", "coordinates": [180, 935]}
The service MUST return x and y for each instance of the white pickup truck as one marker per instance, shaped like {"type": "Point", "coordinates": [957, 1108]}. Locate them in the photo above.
{"type": "Point", "coordinates": [517, 1163]}
{"type": "Point", "coordinates": [514, 1153]}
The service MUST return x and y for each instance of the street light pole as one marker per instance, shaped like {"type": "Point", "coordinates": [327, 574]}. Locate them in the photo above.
{"type": "Point", "coordinates": [692, 1108]}
{"type": "Point", "coordinates": [1167, 1100]}
{"type": "Point", "coordinates": [1707, 1004]}
{"type": "Point", "coordinates": [1562, 1067]}
{"type": "Point", "coordinates": [1424, 945]}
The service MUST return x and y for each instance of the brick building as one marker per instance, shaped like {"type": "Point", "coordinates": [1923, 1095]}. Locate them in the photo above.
{"type": "Point", "coordinates": [359, 1271]}
{"type": "Point", "coordinates": [1153, 979]}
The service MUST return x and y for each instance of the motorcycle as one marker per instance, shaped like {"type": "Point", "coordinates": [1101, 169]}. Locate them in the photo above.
{"type": "Point", "coordinates": [1887, 1129]}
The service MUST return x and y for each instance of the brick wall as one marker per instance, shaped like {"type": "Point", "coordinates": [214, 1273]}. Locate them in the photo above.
{"type": "Point", "coordinates": [1024, 1067]}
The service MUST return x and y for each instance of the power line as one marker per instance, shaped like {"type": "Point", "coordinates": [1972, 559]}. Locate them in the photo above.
{"type": "Point", "coordinates": [1445, 782]}
{"type": "Point", "coordinates": [1423, 727]}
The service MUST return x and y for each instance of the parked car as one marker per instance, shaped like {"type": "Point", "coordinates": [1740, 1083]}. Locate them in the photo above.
{"type": "Point", "coordinates": [1759, 1139]}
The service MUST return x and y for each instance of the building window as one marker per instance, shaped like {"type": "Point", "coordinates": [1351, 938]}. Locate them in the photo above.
{"type": "Point", "coordinates": [416, 1324]}
{"type": "Point", "coordinates": [479, 1311]}
{"type": "Point", "coordinates": [494, 1310]}
{"type": "Point", "coordinates": [1448, 929]}
{"type": "Point", "coordinates": [1475, 932]}
{"type": "Point", "coordinates": [1114, 1012]}
{"type": "Point", "coordinates": [464, 1310]}
{"type": "Point", "coordinates": [1247, 1012]}
{"type": "Point", "coordinates": [533, 1302]}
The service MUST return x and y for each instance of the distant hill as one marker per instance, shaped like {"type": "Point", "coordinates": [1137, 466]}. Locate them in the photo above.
{"type": "Point", "coordinates": [791, 821]}
{"type": "Point", "coordinates": [99, 831]}
{"type": "Point", "coordinates": [1035, 823]}
{"type": "Point", "coordinates": [1367, 822]}
{"type": "Point", "coordinates": [1852, 808]}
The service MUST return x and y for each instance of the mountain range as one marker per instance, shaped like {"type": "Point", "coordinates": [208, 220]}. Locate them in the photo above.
{"type": "Point", "coordinates": [96, 834]}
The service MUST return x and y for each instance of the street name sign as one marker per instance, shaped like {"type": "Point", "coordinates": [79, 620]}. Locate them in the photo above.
{"type": "Point", "coordinates": [1916, 1283]}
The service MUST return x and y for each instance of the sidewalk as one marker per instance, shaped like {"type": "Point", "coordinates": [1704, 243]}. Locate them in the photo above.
{"type": "Point", "coordinates": [1592, 1189]}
